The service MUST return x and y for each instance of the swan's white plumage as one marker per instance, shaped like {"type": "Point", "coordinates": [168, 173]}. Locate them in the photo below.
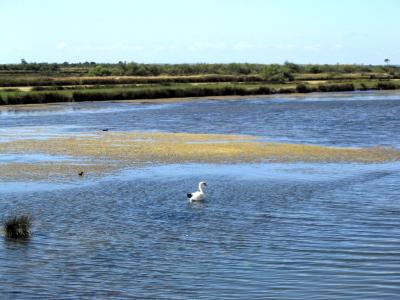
{"type": "Point", "coordinates": [198, 195]}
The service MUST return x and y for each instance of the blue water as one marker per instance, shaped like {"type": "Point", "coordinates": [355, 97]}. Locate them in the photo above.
{"type": "Point", "coordinates": [266, 231]}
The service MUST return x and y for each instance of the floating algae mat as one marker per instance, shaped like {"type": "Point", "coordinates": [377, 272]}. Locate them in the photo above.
{"type": "Point", "coordinates": [110, 151]}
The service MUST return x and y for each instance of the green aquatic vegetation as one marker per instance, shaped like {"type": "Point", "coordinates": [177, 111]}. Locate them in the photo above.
{"type": "Point", "coordinates": [111, 151]}
{"type": "Point", "coordinates": [18, 227]}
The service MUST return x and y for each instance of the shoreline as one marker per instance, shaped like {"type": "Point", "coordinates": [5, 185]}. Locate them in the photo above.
{"type": "Point", "coordinates": [243, 97]}
{"type": "Point", "coordinates": [38, 106]}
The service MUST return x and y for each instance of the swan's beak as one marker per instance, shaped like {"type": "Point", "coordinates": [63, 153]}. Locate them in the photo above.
{"type": "Point", "coordinates": [205, 184]}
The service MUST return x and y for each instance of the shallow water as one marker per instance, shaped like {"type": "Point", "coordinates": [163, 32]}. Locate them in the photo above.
{"type": "Point", "coordinates": [266, 231]}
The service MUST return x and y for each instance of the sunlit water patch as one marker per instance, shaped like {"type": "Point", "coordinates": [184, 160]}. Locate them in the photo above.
{"type": "Point", "coordinates": [39, 132]}
{"type": "Point", "coordinates": [34, 158]}
{"type": "Point", "coordinates": [85, 108]}
{"type": "Point", "coordinates": [278, 231]}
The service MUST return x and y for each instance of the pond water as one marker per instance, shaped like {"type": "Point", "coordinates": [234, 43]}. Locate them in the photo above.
{"type": "Point", "coordinates": [266, 231]}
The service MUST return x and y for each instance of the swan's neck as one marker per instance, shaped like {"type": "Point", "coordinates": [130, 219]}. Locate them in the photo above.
{"type": "Point", "coordinates": [201, 189]}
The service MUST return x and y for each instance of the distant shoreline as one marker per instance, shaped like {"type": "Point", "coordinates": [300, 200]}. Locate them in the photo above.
{"type": "Point", "coordinates": [31, 83]}
{"type": "Point", "coordinates": [190, 99]}
{"type": "Point", "coordinates": [179, 92]}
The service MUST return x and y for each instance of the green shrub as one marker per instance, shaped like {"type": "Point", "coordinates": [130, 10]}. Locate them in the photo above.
{"type": "Point", "coordinates": [364, 87]}
{"type": "Point", "coordinates": [263, 90]}
{"type": "Point", "coordinates": [99, 71]}
{"type": "Point", "coordinates": [277, 74]}
{"type": "Point", "coordinates": [387, 85]}
{"type": "Point", "coordinates": [287, 90]}
{"type": "Point", "coordinates": [339, 87]}
{"type": "Point", "coordinates": [33, 98]}
{"type": "Point", "coordinates": [18, 227]}
{"type": "Point", "coordinates": [303, 88]}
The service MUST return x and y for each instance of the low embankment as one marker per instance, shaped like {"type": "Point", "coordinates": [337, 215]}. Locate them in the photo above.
{"type": "Point", "coordinates": [178, 90]}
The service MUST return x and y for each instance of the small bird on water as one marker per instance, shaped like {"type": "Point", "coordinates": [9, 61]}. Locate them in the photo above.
{"type": "Point", "coordinates": [81, 173]}
{"type": "Point", "coordinates": [198, 195]}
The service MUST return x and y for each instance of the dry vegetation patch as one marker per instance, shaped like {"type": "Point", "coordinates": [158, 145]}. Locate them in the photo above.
{"type": "Point", "coordinates": [108, 151]}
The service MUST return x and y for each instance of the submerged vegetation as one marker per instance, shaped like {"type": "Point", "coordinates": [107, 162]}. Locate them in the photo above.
{"type": "Point", "coordinates": [108, 151]}
{"type": "Point", "coordinates": [18, 228]}
{"type": "Point", "coordinates": [28, 83]}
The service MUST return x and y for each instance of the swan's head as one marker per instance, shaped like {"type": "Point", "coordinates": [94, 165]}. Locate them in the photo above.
{"type": "Point", "coordinates": [202, 184]}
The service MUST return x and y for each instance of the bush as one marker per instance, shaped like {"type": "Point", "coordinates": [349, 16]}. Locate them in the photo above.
{"type": "Point", "coordinates": [387, 85]}
{"type": "Point", "coordinates": [303, 88]}
{"type": "Point", "coordinates": [99, 71]}
{"type": "Point", "coordinates": [33, 98]}
{"type": "Point", "coordinates": [18, 228]}
{"type": "Point", "coordinates": [340, 87]}
{"type": "Point", "coordinates": [315, 69]}
{"type": "Point", "coordinates": [277, 74]}
{"type": "Point", "coordinates": [263, 90]}
{"type": "Point", "coordinates": [287, 90]}
{"type": "Point", "coordinates": [363, 87]}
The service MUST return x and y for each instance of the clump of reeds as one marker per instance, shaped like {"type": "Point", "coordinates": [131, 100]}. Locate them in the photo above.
{"type": "Point", "coordinates": [305, 88]}
{"type": "Point", "coordinates": [18, 227]}
{"type": "Point", "coordinates": [387, 85]}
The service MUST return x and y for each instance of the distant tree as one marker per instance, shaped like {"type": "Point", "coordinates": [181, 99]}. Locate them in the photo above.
{"type": "Point", "coordinates": [293, 67]}
{"type": "Point", "coordinates": [23, 62]}
{"type": "Point", "coordinates": [142, 71]}
{"type": "Point", "coordinates": [349, 68]}
{"type": "Point", "coordinates": [387, 61]}
{"type": "Point", "coordinates": [99, 71]}
{"type": "Point", "coordinates": [277, 73]}
{"type": "Point", "coordinates": [131, 68]}
{"type": "Point", "coordinates": [315, 69]}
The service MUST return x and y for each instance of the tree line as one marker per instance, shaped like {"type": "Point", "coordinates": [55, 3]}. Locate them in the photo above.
{"type": "Point", "coordinates": [271, 72]}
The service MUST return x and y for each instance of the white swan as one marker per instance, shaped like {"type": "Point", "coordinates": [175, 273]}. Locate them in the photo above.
{"type": "Point", "coordinates": [199, 195]}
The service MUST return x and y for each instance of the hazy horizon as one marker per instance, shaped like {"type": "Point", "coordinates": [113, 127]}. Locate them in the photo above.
{"type": "Point", "coordinates": [177, 31]}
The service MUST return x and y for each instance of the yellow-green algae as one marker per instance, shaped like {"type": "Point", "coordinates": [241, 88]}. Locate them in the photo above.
{"type": "Point", "coordinates": [54, 172]}
{"type": "Point", "coordinates": [110, 151]}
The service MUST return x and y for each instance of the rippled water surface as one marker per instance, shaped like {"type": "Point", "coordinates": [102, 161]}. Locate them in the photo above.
{"type": "Point", "coordinates": [266, 231]}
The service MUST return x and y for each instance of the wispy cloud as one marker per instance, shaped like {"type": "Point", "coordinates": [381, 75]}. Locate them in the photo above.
{"type": "Point", "coordinates": [312, 47]}
{"type": "Point", "coordinates": [61, 45]}
{"type": "Point", "coordinates": [166, 47]}
{"type": "Point", "coordinates": [113, 47]}
{"type": "Point", "coordinates": [200, 46]}
{"type": "Point", "coordinates": [248, 46]}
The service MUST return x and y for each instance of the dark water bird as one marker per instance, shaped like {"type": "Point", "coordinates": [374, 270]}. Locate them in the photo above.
{"type": "Point", "coordinates": [198, 195]}
{"type": "Point", "coordinates": [105, 129]}
{"type": "Point", "coordinates": [81, 173]}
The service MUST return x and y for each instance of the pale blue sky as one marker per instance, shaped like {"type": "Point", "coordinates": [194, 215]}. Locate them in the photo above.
{"type": "Point", "coordinates": [177, 31]}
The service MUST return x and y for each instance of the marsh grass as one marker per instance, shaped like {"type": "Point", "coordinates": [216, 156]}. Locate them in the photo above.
{"type": "Point", "coordinates": [18, 227]}
{"type": "Point", "coordinates": [37, 81]}
{"type": "Point", "coordinates": [52, 94]}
